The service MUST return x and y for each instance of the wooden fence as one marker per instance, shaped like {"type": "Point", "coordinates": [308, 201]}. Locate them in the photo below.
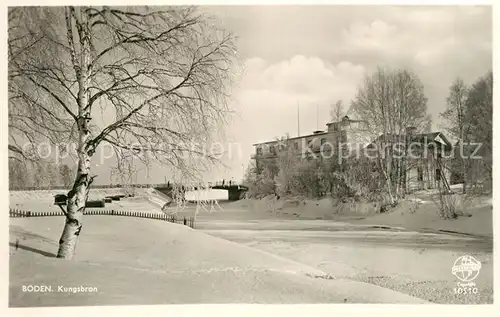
{"type": "Point", "coordinates": [15, 213]}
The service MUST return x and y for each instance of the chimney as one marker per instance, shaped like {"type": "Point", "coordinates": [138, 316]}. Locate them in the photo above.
{"type": "Point", "coordinates": [318, 131]}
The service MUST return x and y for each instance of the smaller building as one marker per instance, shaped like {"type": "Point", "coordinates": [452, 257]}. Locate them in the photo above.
{"type": "Point", "coordinates": [425, 158]}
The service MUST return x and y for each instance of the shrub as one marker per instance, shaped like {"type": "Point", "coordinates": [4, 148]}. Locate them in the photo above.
{"type": "Point", "coordinates": [259, 183]}
{"type": "Point", "coordinates": [95, 203]}
{"type": "Point", "coordinates": [447, 205]}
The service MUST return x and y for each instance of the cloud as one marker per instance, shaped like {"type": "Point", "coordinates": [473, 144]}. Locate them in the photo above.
{"type": "Point", "coordinates": [419, 36]}
{"type": "Point", "coordinates": [268, 98]}
{"type": "Point", "coordinates": [435, 54]}
{"type": "Point", "coordinates": [377, 35]}
{"type": "Point", "coordinates": [301, 77]}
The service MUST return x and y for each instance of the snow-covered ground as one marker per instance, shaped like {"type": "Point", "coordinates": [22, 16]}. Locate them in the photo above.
{"type": "Point", "coordinates": [388, 249]}
{"type": "Point", "coordinates": [140, 261]}
{"type": "Point", "coordinates": [402, 250]}
{"type": "Point", "coordinates": [419, 211]}
{"type": "Point", "coordinates": [414, 263]}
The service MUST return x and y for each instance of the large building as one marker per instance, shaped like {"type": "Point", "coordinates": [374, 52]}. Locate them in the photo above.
{"type": "Point", "coordinates": [425, 168]}
{"type": "Point", "coordinates": [327, 142]}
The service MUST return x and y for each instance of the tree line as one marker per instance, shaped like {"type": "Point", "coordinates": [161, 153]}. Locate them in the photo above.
{"type": "Point", "coordinates": [40, 174]}
{"type": "Point", "coordinates": [469, 119]}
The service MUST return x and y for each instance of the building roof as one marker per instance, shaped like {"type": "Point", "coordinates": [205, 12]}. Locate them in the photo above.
{"type": "Point", "coordinates": [422, 138]}
{"type": "Point", "coordinates": [315, 133]}
{"type": "Point", "coordinates": [294, 138]}
{"type": "Point", "coordinates": [344, 119]}
{"type": "Point", "coordinates": [434, 136]}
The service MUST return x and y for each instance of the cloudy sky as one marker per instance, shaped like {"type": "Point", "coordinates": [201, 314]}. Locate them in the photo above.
{"type": "Point", "coordinates": [315, 55]}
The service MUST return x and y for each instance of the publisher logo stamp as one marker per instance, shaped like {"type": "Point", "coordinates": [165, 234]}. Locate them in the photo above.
{"type": "Point", "coordinates": [466, 269]}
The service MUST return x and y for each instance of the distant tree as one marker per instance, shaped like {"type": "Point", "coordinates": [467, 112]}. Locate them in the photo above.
{"type": "Point", "coordinates": [45, 174]}
{"type": "Point", "coordinates": [479, 118]}
{"type": "Point", "coordinates": [286, 163]}
{"type": "Point", "coordinates": [297, 176]}
{"type": "Point", "coordinates": [38, 175]}
{"type": "Point", "coordinates": [66, 175]}
{"type": "Point", "coordinates": [260, 181]}
{"type": "Point", "coordinates": [52, 175]}
{"type": "Point", "coordinates": [18, 174]}
{"type": "Point", "coordinates": [337, 111]}
{"type": "Point", "coordinates": [428, 124]}
{"type": "Point", "coordinates": [454, 116]}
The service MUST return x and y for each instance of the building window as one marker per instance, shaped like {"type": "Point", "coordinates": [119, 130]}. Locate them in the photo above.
{"type": "Point", "coordinates": [272, 149]}
{"type": "Point", "coordinates": [310, 143]}
{"type": "Point", "coordinates": [296, 145]}
{"type": "Point", "coordinates": [259, 151]}
{"type": "Point", "coordinates": [323, 141]}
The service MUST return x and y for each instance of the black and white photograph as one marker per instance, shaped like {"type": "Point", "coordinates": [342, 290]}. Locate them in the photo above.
{"type": "Point", "coordinates": [190, 154]}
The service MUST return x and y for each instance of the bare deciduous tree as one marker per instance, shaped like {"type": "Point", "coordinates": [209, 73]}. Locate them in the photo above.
{"type": "Point", "coordinates": [479, 118]}
{"type": "Point", "coordinates": [388, 103]}
{"type": "Point", "coordinates": [146, 80]}
{"type": "Point", "coordinates": [66, 175]}
{"type": "Point", "coordinates": [337, 111]}
{"type": "Point", "coordinates": [18, 174]}
{"type": "Point", "coordinates": [454, 116]}
{"type": "Point", "coordinates": [287, 164]}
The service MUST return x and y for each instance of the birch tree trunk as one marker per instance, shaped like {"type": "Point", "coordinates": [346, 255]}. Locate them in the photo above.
{"type": "Point", "coordinates": [386, 170]}
{"type": "Point", "coordinates": [77, 198]}
{"type": "Point", "coordinates": [464, 166]}
{"type": "Point", "coordinates": [389, 187]}
{"type": "Point", "coordinates": [78, 195]}
{"type": "Point", "coordinates": [398, 178]}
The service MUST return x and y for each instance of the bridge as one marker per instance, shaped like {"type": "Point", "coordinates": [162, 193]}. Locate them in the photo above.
{"type": "Point", "coordinates": [235, 190]}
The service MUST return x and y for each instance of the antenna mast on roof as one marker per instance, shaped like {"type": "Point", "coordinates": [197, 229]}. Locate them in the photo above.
{"type": "Point", "coordinates": [317, 117]}
{"type": "Point", "coordinates": [298, 119]}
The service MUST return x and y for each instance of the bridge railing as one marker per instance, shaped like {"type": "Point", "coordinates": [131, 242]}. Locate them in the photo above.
{"type": "Point", "coordinates": [228, 183]}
